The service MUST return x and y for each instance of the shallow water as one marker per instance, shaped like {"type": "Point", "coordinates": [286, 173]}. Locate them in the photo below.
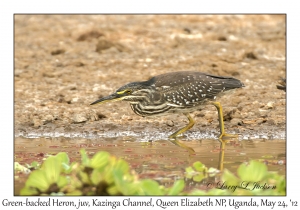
{"type": "Point", "coordinates": [160, 160]}
{"type": "Point", "coordinates": [161, 156]}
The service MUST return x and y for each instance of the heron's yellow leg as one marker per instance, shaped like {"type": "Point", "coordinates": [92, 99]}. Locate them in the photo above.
{"type": "Point", "coordinates": [182, 145]}
{"type": "Point", "coordinates": [221, 123]}
{"type": "Point", "coordinates": [223, 135]}
{"type": "Point", "coordinates": [184, 129]}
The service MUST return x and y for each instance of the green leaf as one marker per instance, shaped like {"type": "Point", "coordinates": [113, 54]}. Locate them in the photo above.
{"type": "Point", "coordinates": [84, 158]}
{"type": "Point", "coordinates": [96, 177]}
{"type": "Point", "coordinates": [254, 172]}
{"type": "Point", "coordinates": [230, 178]}
{"type": "Point", "coordinates": [64, 160]}
{"type": "Point", "coordinates": [113, 190]}
{"type": "Point", "coordinates": [99, 160]}
{"type": "Point", "coordinates": [75, 193]}
{"type": "Point", "coordinates": [122, 166]}
{"type": "Point", "coordinates": [52, 168]}
{"type": "Point", "coordinates": [189, 170]}
{"type": "Point", "coordinates": [130, 188]}
{"type": "Point", "coordinates": [34, 164]}
{"type": "Point", "coordinates": [29, 191]}
{"type": "Point", "coordinates": [199, 166]}
{"type": "Point", "coordinates": [177, 187]}
{"type": "Point", "coordinates": [84, 177]}
{"type": "Point", "coordinates": [38, 179]}
{"type": "Point", "coordinates": [199, 177]}
{"type": "Point", "coordinates": [62, 181]}
{"type": "Point", "coordinates": [150, 187]}
{"type": "Point", "coordinates": [108, 175]}
{"type": "Point", "coordinates": [118, 176]}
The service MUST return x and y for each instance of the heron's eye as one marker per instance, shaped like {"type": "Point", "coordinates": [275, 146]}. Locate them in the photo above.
{"type": "Point", "coordinates": [128, 91]}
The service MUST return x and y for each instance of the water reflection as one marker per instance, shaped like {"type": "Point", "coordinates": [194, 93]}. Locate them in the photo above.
{"type": "Point", "coordinates": [160, 155]}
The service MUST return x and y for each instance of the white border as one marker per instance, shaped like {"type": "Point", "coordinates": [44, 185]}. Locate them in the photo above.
{"type": "Point", "coordinates": [8, 8]}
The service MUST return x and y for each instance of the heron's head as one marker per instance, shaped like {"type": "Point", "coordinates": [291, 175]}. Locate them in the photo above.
{"type": "Point", "coordinates": [134, 92]}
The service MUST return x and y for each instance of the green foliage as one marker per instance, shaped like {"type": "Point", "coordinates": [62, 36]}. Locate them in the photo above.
{"type": "Point", "coordinates": [253, 179]}
{"type": "Point", "coordinates": [200, 172]}
{"type": "Point", "coordinates": [104, 174]}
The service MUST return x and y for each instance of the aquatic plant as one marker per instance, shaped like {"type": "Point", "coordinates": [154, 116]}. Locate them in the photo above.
{"type": "Point", "coordinates": [104, 174]}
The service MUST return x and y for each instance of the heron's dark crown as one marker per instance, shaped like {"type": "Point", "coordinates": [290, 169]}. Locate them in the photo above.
{"type": "Point", "coordinates": [137, 85]}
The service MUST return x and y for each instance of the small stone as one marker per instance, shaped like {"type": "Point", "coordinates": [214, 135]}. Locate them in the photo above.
{"type": "Point", "coordinates": [170, 123]}
{"type": "Point", "coordinates": [236, 121]}
{"type": "Point", "coordinates": [37, 122]}
{"type": "Point", "coordinates": [270, 105]}
{"type": "Point", "coordinates": [89, 36]}
{"type": "Point", "coordinates": [103, 44]}
{"type": "Point", "coordinates": [260, 121]}
{"type": "Point", "coordinates": [74, 100]}
{"type": "Point", "coordinates": [57, 51]}
{"type": "Point", "coordinates": [271, 122]}
{"type": "Point", "coordinates": [48, 118]}
{"type": "Point", "coordinates": [263, 113]}
{"type": "Point", "coordinates": [79, 118]}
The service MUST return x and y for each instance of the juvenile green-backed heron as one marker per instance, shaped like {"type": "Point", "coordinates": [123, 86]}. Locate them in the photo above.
{"type": "Point", "coordinates": [175, 92]}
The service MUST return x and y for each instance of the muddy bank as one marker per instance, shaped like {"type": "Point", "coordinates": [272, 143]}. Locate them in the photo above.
{"type": "Point", "coordinates": [65, 62]}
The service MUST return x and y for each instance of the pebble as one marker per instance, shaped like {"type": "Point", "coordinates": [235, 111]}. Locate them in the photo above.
{"type": "Point", "coordinates": [78, 118]}
{"type": "Point", "coordinates": [270, 105]}
{"type": "Point", "coordinates": [170, 123]}
{"type": "Point", "coordinates": [236, 121]}
{"type": "Point", "coordinates": [48, 118]}
{"type": "Point", "coordinates": [37, 122]}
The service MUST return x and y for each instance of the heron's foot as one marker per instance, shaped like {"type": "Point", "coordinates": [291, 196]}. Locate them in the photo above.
{"type": "Point", "coordinates": [175, 135]}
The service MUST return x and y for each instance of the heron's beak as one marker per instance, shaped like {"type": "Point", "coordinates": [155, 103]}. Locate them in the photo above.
{"type": "Point", "coordinates": [110, 98]}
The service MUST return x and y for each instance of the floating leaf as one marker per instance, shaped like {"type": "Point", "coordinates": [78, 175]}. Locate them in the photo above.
{"type": "Point", "coordinates": [35, 165]}
{"type": "Point", "coordinates": [96, 177]}
{"type": "Point", "coordinates": [199, 166]}
{"type": "Point", "coordinates": [151, 187]}
{"type": "Point", "coordinates": [64, 160]}
{"type": "Point", "coordinates": [189, 170]}
{"type": "Point", "coordinates": [177, 187]}
{"type": "Point", "coordinates": [254, 172]}
{"type": "Point", "coordinates": [99, 160]}
{"type": "Point", "coordinates": [62, 181]}
{"type": "Point", "coordinates": [230, 178]}
{"type": "Point", "coordinates": [52, 168]}
{"type": "Point", "coordinates": [38, 179]}
{"type": "Point", "coordinates": [199, 177]}
{"type": "Point", "coordinates": [29, 191]}
{"type": "Point", "coordinates": [113, 190]}
{"type": "Point", "coordinates": [122, 166]}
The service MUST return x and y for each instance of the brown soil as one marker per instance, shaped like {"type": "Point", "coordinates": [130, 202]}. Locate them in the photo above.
{"type": "Point", "coordinates": [65, 62]}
